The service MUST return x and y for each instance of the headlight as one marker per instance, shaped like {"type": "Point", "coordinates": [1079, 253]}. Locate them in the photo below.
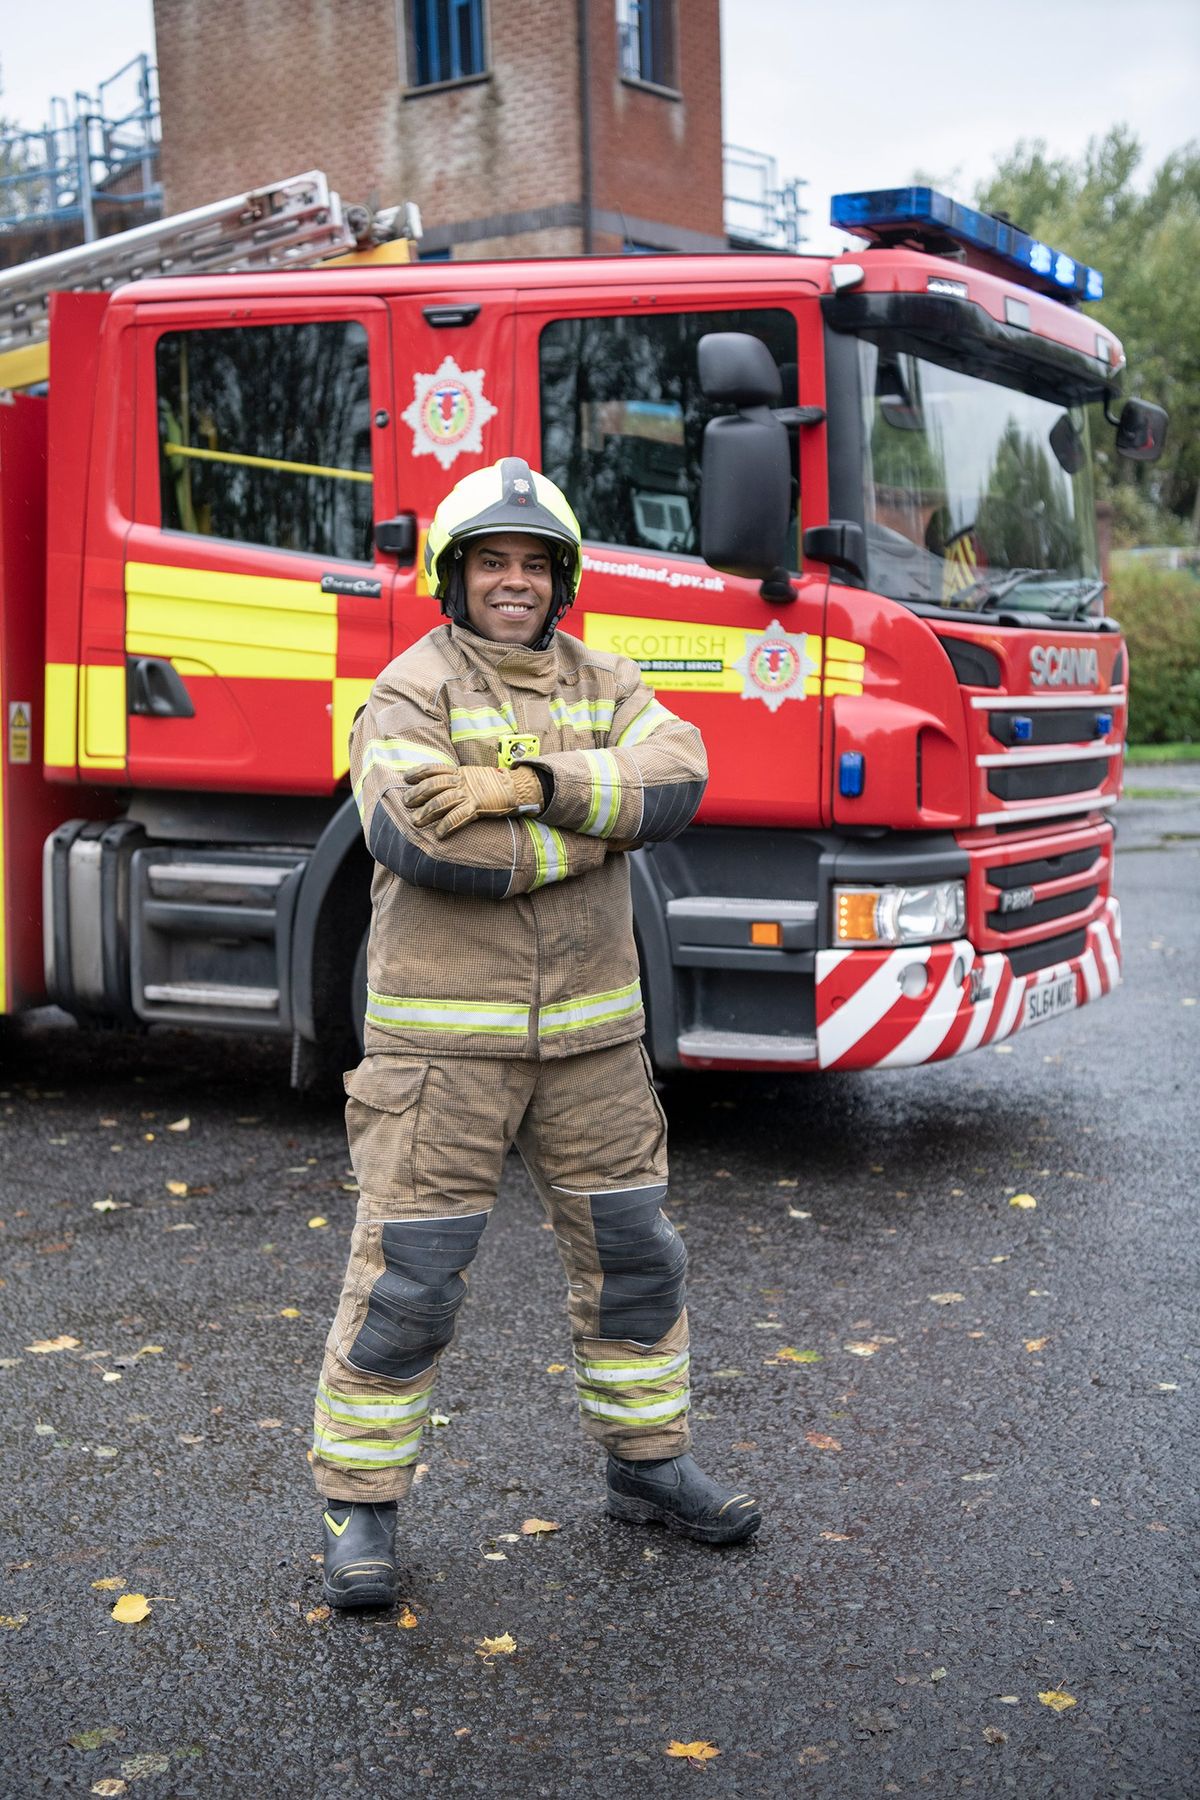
{"type": "Point", "coordinates": [899, 915]}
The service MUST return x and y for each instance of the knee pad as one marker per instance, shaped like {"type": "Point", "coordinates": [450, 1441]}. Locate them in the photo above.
{"type": "Point", "coordinates": [412, 1305]}
{"type": "Point", "coordinates": [643, 1263]}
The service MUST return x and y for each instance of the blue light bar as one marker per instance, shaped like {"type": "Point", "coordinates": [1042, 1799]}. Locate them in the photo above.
{"type": "Point", "coordinates": [882, 214]}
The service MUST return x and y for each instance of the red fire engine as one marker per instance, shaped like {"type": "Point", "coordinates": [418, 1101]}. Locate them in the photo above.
{"type": "Point", "coordinates": [838, 508]}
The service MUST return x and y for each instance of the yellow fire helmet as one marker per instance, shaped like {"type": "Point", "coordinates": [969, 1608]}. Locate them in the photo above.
{"type": "Point", "coordinates": [508, 496]}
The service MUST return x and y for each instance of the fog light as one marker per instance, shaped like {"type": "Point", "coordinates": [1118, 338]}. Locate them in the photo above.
{"type": "Point", "coordinates": [914, 980]}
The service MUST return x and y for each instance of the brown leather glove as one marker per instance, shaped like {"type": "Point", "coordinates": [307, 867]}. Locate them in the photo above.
{"type": "Point", "coordinates": [456, 796]}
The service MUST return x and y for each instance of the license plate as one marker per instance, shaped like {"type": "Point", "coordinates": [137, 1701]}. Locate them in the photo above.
{"type": "Point", "coordinates": [1053, 995]}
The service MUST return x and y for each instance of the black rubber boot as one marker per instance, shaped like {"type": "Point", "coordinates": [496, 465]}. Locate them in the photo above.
{"type": "Point", "coordinates": [360, 1553]}
{"type": "Point", "coordinates": [678, 1494]}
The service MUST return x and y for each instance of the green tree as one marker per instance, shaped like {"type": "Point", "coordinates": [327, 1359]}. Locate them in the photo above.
{"type": "Point", "coordinates": [1148, 245]}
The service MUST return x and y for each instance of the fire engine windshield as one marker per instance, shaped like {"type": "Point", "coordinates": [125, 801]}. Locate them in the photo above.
{"type": "Point", "coordinates": [974, 484]}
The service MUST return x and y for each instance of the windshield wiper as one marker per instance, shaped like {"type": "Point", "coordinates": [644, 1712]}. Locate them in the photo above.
{"type": "Point", "coordinates": [989, 592]}
{"type": "Point", "coordinates": [1092, 590]}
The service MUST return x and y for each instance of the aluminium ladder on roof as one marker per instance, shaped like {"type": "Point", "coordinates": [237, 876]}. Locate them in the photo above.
{"type": "Point", "coordinates": [285, 224]}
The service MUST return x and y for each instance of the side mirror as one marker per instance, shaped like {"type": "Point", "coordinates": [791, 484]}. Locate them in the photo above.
{"type": "Point", "coordinates": [398, 537]}
{"type": "Point", "coordinates": [1141, 431]}
{"type": "Point", "coordinates": [842, 544]}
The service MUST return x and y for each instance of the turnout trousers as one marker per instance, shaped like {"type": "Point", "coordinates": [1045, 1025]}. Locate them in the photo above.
{"type": "Point", "coordinates": [428, 1136]}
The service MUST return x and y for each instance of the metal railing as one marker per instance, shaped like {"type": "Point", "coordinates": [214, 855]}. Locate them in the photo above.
{"type": "Point", "coordinates": [761, 210]}
{"type": "Point", "coordinates": [93, 165]}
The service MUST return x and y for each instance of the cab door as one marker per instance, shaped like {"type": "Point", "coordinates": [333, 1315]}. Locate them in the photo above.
{"type": "Point", "coordinates": [454, 407]}
{"type": "Point", "coordinates": [257, 609]}
{"type": "Point", "coordinates": [610, 407]}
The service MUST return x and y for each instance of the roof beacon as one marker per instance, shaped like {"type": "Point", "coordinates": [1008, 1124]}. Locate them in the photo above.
{"type": "Point", "coordinates": [938, 224]}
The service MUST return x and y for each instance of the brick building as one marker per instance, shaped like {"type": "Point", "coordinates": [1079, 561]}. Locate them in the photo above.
{"type": "Point", "coordinates": [520, 127]}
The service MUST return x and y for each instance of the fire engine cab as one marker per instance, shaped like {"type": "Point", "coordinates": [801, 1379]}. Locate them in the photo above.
{"type": "Point", "coordinates": [838, 509]}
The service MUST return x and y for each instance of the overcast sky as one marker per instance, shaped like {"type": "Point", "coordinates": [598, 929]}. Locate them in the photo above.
{"type": "Point", "coordinates": [842, 93]}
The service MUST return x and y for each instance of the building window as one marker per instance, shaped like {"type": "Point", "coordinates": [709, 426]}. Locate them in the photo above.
{"type": "Point", "coordinates": [623, 419]}
{"type": "Point", "coordinates": [646, 33]}
{"type": "Point", "coordinates": [265, 437]}
{"type": "Point", "coordinates": [447, 40]}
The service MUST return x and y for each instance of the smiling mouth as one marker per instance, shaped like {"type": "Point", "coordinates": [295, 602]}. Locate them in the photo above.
{"type": "Point", "coordinates": [515, 609]}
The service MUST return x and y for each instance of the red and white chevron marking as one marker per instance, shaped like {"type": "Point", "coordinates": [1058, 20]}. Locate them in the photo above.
{"type": "Point", "coordinates": [866, 1021]}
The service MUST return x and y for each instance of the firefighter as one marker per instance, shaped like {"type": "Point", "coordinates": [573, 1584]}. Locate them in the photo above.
{"type": "Point", "coordinates": [503, 771]}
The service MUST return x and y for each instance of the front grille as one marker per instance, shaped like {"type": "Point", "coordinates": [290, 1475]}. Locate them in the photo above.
{"type": "Point", "coordinates": [1058, 906]}
{"type": "Point", "coordinates": [1070, 726]}
{"type": "Point", "coordinates": [1048, 952]}
{"type": "Point", "coordinates": [1040, 781]}
{"type": "Point", "coordinates": [1043, 868]}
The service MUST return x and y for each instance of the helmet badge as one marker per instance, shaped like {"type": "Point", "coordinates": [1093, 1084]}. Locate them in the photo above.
{"type": "Point", "coordinates": [448, 412]}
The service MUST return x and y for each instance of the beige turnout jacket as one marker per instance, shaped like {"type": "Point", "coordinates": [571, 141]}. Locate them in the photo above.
{"type": "Point", "coordinates": [514, 936]}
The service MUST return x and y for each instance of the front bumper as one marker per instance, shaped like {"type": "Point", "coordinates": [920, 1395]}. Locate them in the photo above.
{"type": "Point", "coordinates": [866, 1021]}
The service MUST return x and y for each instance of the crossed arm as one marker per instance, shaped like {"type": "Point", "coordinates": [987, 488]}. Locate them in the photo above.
{"type": "Point", "coordinates": [469, 829]}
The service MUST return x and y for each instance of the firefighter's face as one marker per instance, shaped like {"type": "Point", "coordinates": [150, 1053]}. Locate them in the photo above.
{"type": "Point", "coordinates": [509, 580]}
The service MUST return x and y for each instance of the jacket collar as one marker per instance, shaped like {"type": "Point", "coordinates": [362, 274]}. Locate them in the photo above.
{"type": "Point", "coordinates": [513, 664]}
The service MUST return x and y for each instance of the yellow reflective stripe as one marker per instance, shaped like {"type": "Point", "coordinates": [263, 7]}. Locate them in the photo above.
{"type": "Point", "coordinates": [647, 722]}
{"type": "Point", "coordinates": [549, 853]}
{"type": "Point", "coordinates": [265, 626]}
{"type": "Point", "coordinates": [266, 462]}
{"type": "Point", "coordinates": [605, 806]}
{"type": "Point", "coordinates": [349, 693]}
{"type": "Point", "coordinates": [366, 1453]}
{"type": "Point", "coordinates": [636, 1412]}
{"type": "Point", "coordinates": [102, 739]}
{"type": "Point", "coordinates": [401, 1012]}
{"type": "Point", "coordinates": [582, 715]}
{"type": "Point", "coordinates": [62, 714]}
{"type": "Point", "coordinates": [352, 1410]}
{"type": "Point", "coordinates": [845, 666]}
{"type": "Point", "coordinates": [646, 1370]}
{"type": "Point", "coordinates": [397, 753]}
{"type": "Point", "coordinates": [590, 1009]}
{"type": "Point", "coordinates": [467, 723]}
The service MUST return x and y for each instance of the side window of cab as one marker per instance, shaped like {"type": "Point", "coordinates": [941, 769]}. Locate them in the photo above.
{"type": "Point", "coordinates": [623, 417]}
{"type": "Point", "coordinates": [264, 436]}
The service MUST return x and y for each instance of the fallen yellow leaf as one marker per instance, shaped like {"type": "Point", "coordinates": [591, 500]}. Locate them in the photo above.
{"type": "Point", "coordinates": [110, 1787]}
{"type": "Point", "coordinates": [316, 1224]}
{"type": "Point", "coordinates": [1057, 1700]}
{"type": "Point", "coordinates": [269, 1424]}
{"type": "Point", "coordinates": [151, 1350]}
{"type": "Point", "coordinates": [537, 1527]}
{"type": "Point", "coordinates": [289, 1312]}
{"type": "Point", "coordinates": [820, 1441]}
{"type": "Point", "coordinates": [317, 1616]}
{"type": "Point", "coordinates": [1036, 1343]}
{"type": "Point", "coordinates": [1025, 1201]}
{"type": "Point", "coordinates": [697, 1752]}
{"type": "Point", "coordinates": [946, 1299]}
{"type": "Point", "coordinates": [497, 1646]}
{"type": "Point", "coordinates": [834, 1537]}
{"type": "Point", "coordinates": [867, 1348]}
{"type": "Point", "coordinates": [184, 1124]}
{"type": "Point", "coordinates": [177, 1187]}
{"type": "Point", "coordinates": [13, 1621]}
{"type": "Point", "coordinates": [45, 1345]}
{"type": "Point", "coordinates": [555, 1368]}
{"type": "Point", "coordinates": [109, 1581]}
{"type": "Point", "coordinates": [790, 1354]}
{"type": "Point", "coordinates": [111, 1375]}
{"type": "Point", "coordinates": [130, 1608]}
{"type": "Point", "coordinates": [407, 1620]}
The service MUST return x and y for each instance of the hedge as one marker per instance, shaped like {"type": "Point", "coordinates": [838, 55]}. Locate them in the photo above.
{"type": "Point", "coordinates": [1159, 611]}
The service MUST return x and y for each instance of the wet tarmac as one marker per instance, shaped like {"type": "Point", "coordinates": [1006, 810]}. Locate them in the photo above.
{"type": "Point", "coordinates": [971, 1424]}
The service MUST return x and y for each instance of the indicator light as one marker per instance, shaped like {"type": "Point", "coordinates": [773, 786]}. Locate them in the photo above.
{"type": "Point", "coordinates": [856, 915]}
{"type": "Point", "coordinates": [852, 773]}
{"type": "Point", "coordinates": [766, 931]}
{"type": "Point", "coordinates": [899, 915]}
